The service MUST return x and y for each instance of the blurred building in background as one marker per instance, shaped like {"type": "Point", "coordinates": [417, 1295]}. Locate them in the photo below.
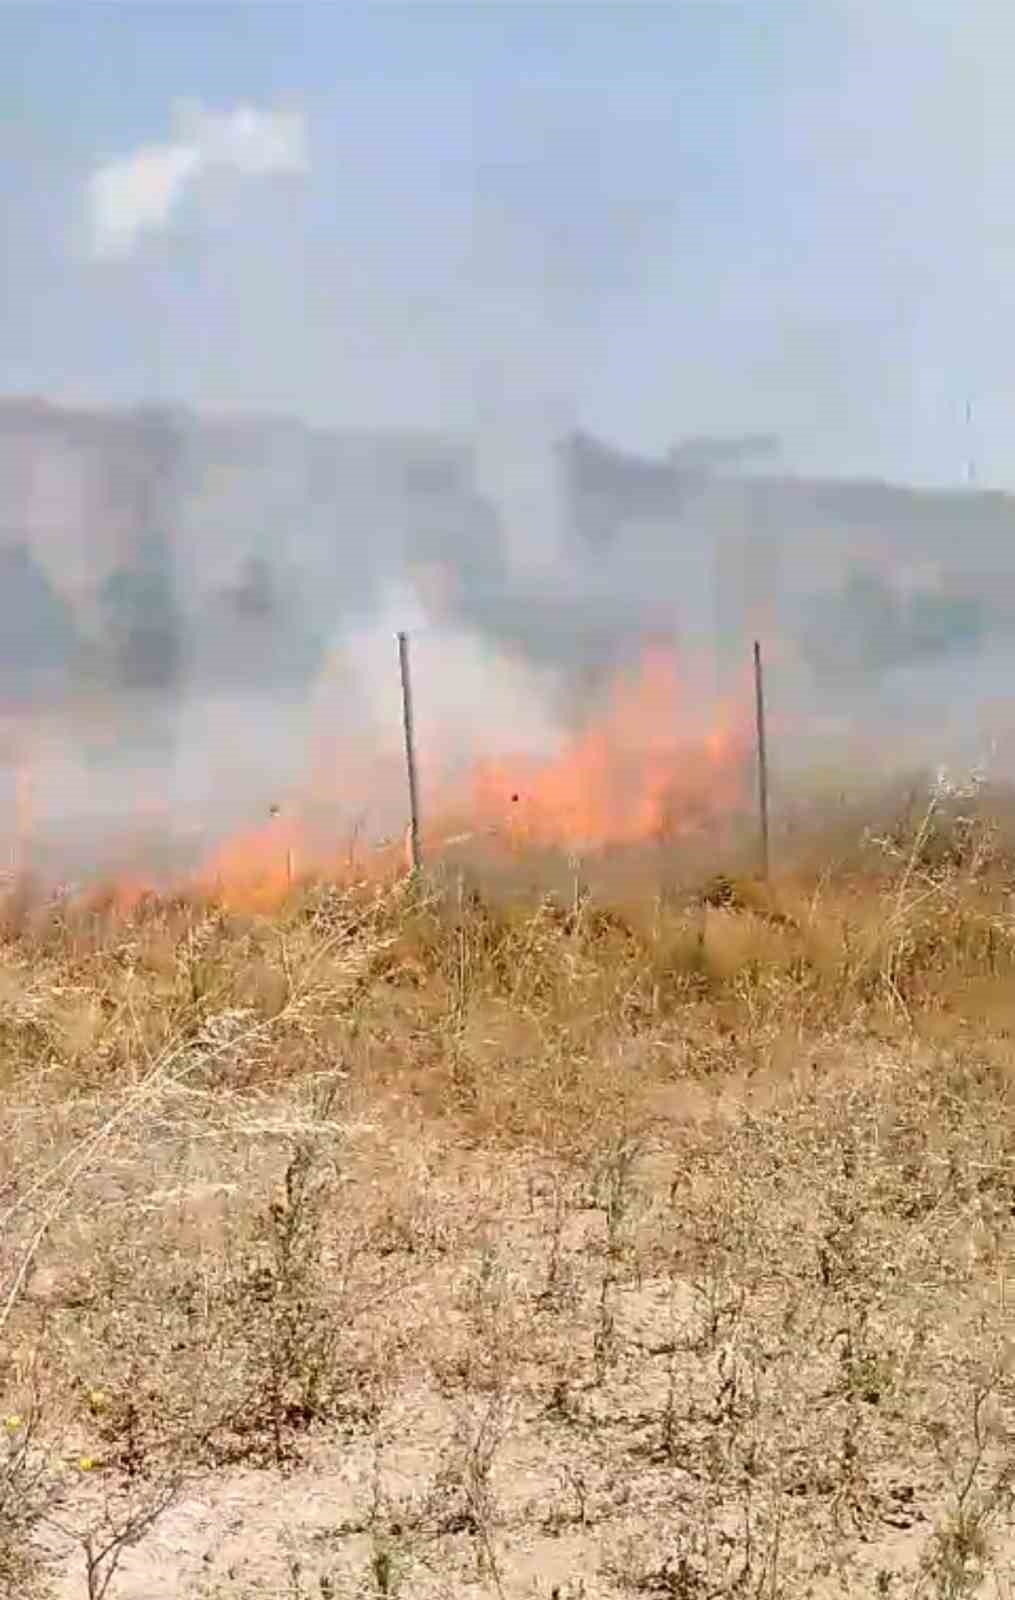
{"type": "Point", "coordinates": [142, 551]}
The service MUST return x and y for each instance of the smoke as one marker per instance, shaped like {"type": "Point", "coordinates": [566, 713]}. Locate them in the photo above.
{"type": "Point", "coordinates": [214, 636]}
{"type": "Point", "coordinates": [536, 366]}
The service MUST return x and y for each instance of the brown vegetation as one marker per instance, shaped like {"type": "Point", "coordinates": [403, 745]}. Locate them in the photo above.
{"type": "Point", "coordinates": [430, 1240]}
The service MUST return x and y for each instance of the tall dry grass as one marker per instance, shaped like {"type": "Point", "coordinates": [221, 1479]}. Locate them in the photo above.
{"type": "Point", "coordinates": [630, 1238]}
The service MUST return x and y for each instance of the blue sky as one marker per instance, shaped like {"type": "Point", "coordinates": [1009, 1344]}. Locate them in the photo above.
{"type": "Point", "coordinates": [649, 220]}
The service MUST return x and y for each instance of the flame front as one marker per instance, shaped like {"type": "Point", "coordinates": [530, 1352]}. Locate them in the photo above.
{"type": "Point", "coordinates": [647, 769]}
{"type": "Point", "coordinates": [635, 775]}
{"type": "Point", "coordinates": [640, 773]}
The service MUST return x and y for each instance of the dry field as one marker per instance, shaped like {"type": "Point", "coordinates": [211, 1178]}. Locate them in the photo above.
{"type": "Point", "coordinates": [424, 1241]}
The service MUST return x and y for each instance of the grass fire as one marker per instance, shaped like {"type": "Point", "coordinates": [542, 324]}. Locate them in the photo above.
{"type": "Point", "coordinates": [508, 1093]}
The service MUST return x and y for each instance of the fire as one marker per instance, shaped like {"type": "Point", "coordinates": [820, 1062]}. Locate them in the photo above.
{"type": "Point", "coordinates": [645, 769]}
{"type": "Point", "coordinates": [635, 775]}
{"type": "Point", "coordinates": [256, 870]}
{"type": "Point", "coordinates": [641, 772]}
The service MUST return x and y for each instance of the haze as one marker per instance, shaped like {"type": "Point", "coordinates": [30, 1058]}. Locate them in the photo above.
{"type": "Point", "coordinates": [262, 261]}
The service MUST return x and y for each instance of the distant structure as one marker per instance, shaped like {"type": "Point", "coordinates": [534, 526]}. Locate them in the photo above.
{"type": "Point", "coordinates": [152, 546]}
{"type": "Point", "coordinates": [606, 487]}
{"type": "Point", "coordinates": [860, 576]}
{"type": "Point", "coordinates": [150, 549]}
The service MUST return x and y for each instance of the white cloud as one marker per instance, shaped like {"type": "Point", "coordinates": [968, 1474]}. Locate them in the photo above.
{"type": "Point", "coordinates": [246, 140]}
{"type": "Point", "coordinates": [136, 194]}
{"type": "Point", "coordinates": [140, 192]}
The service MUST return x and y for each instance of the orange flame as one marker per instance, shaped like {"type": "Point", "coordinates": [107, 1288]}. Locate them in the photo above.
{"type": "Point", "coordinates": [632, 777]}
{"type": "Point", "coordinates": [638, 774]}
{"type": "Point", "coordinates": [256, 870]}
{"type": "Point", "coordinates": [643, 771]}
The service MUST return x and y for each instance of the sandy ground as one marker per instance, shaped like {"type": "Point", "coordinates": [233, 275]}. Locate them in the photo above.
{"type": "Point", "coordinates": [635, 1374]}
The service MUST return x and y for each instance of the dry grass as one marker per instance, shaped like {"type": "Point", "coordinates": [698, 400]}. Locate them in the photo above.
{"type": "Point", "coordinates": [432, 1241]}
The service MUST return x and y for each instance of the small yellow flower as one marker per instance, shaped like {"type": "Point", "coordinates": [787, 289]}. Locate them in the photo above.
{"type": "Point", "coordinates": [13, 1423]}
{"type": "Point", "coordinates": [87, 1464]}
{"type": "Point", "coordinates": [97, 1401]}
